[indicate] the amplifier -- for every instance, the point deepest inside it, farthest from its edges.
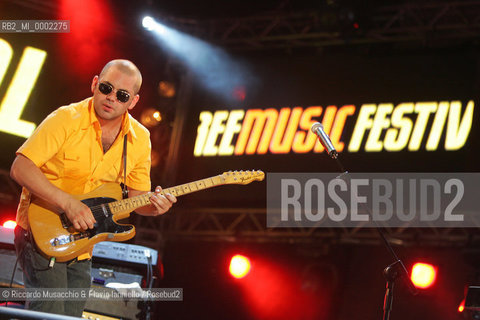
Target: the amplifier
(119, 265)
(124, 309)
(123, 254)
(111, 279)
(104, 277)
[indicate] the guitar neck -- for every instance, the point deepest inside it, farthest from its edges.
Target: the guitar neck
(130, 204)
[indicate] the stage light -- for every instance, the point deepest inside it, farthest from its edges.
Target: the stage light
(166, 89)
(215, 69)
(9, 224)
(423, 275)
(150, 117)
(461, 307)
(239, 266)
(157, 116)
(148, 23)
(89, 20)
(151, 25)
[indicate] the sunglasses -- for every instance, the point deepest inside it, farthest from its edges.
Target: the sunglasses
(122, 95)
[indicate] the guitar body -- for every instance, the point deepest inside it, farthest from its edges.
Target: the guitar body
(55, 237)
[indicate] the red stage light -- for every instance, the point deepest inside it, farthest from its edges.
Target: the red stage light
(423, 275)
(88, 45)
(9, 224)
(239, 266)
(461, 307)
(268, 288)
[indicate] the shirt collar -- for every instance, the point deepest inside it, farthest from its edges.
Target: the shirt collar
(126, 122)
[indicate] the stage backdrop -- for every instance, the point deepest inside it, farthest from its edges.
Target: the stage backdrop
(413, 111)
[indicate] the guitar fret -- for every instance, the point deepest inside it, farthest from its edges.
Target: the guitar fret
(212, 181)
(208, 183)
(147, 197)
(200, 184)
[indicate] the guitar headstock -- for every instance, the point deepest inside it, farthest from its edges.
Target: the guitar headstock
(242, 177)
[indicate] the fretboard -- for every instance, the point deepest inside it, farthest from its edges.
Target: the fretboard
(130, 204)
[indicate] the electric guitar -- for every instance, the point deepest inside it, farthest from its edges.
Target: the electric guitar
(55, 236)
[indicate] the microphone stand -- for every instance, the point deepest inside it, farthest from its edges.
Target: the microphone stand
(394, 270)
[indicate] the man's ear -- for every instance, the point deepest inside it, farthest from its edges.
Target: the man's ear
(94, 83)
(134, 101)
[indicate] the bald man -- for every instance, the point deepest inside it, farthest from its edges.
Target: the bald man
(76, 149)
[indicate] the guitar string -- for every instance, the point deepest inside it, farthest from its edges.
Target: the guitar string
(98, 212)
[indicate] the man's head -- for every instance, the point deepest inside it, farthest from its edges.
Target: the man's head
(115, 90)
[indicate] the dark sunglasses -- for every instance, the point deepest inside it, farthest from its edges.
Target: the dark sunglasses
(122, 95)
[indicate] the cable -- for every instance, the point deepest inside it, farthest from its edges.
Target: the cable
(149, 283)
(20, 252)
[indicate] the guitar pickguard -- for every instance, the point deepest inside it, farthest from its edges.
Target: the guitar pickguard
(104, 217)
(104, 222)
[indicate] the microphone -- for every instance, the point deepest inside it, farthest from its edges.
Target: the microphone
(317, 128)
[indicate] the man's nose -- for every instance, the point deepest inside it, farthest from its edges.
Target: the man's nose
(111, 96)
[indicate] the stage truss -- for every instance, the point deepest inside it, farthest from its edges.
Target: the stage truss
(320, 24)
(434, 23)
(249, 225)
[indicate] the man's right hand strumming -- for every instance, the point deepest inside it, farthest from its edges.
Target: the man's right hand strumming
(79, 214)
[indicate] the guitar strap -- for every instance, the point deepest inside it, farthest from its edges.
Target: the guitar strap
(125, 190)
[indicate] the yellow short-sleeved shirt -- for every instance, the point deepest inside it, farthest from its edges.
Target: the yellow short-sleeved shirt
(67, 148)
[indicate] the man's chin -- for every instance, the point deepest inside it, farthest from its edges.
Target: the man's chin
(104, 115)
